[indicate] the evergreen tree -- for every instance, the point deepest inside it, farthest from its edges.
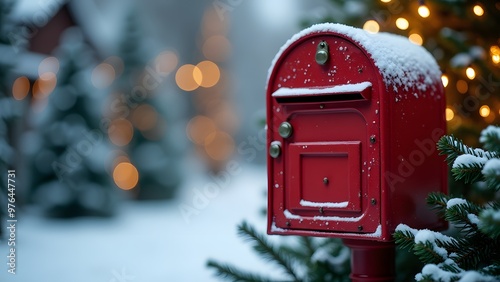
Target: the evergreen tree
(313, 259)
(461, 35)
(67, 148)
(474, 252)
(150, 148)
(10, 109)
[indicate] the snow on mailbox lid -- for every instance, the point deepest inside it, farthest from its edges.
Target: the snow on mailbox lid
(352, 121)
(402, 63)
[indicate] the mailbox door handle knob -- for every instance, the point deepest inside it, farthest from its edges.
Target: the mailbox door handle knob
(321, 53)
(285, 130)
(275, 149)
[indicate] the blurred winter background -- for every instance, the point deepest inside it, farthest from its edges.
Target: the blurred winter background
(135, 128)
(136, 132)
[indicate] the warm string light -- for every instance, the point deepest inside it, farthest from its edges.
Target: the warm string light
(470, 73)
(20, 88)
(495, 54)
(402, 23)
(371, 26)
(424, 11)
(125, 176)
(445, 80)
(416, 38)
(205, 74)
(478, 10)
(450, 114)
(484, 111)
(385, 1)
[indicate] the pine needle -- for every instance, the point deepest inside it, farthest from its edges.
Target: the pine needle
(490, 223)
(230, 273)
(453, 147)
(469, 173)
(266, 250)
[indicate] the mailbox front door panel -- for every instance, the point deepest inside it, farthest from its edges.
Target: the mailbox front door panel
(326, 178)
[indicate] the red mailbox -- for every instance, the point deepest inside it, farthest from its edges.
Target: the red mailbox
(352, 120)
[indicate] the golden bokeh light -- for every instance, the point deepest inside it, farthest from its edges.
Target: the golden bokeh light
(117, 64)
(166, 62)
(120, 132)
(219, 145)
(199, 128)
(216, 48)
(495, 58)
(495, 54)
(402, 23)
(462, 86)
(20, 88)
(484, 111)
(445, 80)
(415, 38)
(49, 64)
(188, 77)
(449, 114)
(125, 176)
(145, 117)
(44, 85)
(385, 1)
(371, 26)
(424, 11)
(103, 75)
(470, 73)
(478, 10)
(210, 73)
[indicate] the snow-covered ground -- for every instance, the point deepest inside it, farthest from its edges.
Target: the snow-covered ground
(146, 241)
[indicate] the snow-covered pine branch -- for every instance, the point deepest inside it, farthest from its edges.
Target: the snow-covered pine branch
(472, 255)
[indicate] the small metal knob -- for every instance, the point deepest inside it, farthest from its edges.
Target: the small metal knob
(275, 149)
(285, 130)
(322, 53)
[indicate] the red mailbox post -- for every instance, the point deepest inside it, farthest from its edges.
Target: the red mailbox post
(352, 122)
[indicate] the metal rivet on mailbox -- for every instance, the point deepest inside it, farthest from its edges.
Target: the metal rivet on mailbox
(285, 130)
(372, 139)
(275, 149)
(325, 181)
(322, 53)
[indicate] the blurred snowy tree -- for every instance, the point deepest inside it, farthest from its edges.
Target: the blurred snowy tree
(138, 124)
(10, 109)
(68, 151)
